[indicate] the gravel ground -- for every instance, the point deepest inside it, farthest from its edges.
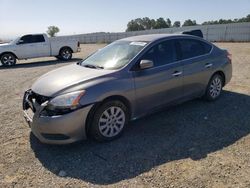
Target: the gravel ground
(195, 144)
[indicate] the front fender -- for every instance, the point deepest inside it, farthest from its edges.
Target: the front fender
(8, 51)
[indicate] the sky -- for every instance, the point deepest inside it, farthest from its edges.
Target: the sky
(86, 16)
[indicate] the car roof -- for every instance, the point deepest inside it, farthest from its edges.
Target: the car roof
(153, 37)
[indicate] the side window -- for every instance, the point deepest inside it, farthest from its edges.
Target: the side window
(26, 39)
(162, 53)
(191, 48)
(38, 38)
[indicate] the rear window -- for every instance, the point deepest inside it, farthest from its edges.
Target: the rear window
(38, 38)
(190, 48)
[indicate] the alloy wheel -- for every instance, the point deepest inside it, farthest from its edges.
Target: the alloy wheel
(111, 121)
(215, 87)
(66, 54)
(8, 60)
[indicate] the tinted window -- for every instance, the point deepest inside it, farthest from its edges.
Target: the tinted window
(26, 39)
(32, 39)
(191, 48)
(38, 38)
(162, 53)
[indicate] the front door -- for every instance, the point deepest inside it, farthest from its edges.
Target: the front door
(162, 83)
(31, 46)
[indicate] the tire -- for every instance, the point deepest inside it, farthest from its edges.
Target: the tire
(65, 54)
(58, 57)
(8, 59)
(214, 88)
(109, 121)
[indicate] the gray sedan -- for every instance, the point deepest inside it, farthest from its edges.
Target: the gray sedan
(125, 80)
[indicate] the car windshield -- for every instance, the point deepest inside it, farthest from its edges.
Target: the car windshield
(114, 56)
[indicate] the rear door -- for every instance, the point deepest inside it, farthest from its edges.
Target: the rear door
(162, 83)
(197, 65)
(42, 46)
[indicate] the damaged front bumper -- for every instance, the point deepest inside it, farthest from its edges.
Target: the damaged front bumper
(59, 129)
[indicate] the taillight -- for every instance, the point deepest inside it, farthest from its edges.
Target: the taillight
(229, 56)
(78, 44)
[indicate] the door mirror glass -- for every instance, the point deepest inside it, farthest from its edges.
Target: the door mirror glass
(145, 64)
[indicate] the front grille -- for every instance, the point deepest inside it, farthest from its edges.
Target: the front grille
(31, 97)
(40, 99)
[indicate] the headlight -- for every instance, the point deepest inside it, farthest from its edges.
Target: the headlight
(66, 101)
(62, 104)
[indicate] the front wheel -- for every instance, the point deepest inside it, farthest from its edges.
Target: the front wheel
(214, 88)
(58, 57)
(65, 54)
(109, 121)
(8, 59)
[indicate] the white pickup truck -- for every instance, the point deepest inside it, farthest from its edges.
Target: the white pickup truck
(37, 45)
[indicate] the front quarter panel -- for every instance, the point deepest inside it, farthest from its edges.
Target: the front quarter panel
(9, 48)
(117, 84)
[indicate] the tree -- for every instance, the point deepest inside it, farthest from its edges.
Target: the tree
(135, 25)
(153, 23)
(146, 22)
(161, 23)
(169, 23)
(189, 23)
(177, 24)
(222, 21)
(52, 30)
(248, 18)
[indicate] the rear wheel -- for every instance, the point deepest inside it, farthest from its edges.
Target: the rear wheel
(8, 59)
(214, 88)
(65, 54)
(109, 121)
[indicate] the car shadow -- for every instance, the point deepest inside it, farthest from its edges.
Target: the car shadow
(40, 63)
(190, 130)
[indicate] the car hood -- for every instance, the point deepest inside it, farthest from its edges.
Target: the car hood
(61, 79)
(5, 45)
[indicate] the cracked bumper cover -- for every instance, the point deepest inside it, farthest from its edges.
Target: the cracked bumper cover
(60, 129)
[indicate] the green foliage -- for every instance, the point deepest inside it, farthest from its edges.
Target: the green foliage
(146, 23)
(177, 24)
(169, 23)
(52, 30)
(189, 23)
(161, 23)
(222, 21)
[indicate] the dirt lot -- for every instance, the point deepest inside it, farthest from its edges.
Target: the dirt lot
(196, 144)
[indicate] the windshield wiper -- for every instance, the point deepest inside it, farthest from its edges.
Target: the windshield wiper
(93, 66)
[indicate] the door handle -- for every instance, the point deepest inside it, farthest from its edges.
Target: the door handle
(177, 73)
(208, 65)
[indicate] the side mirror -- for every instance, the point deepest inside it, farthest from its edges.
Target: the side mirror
(20, 42)
(145, 64)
